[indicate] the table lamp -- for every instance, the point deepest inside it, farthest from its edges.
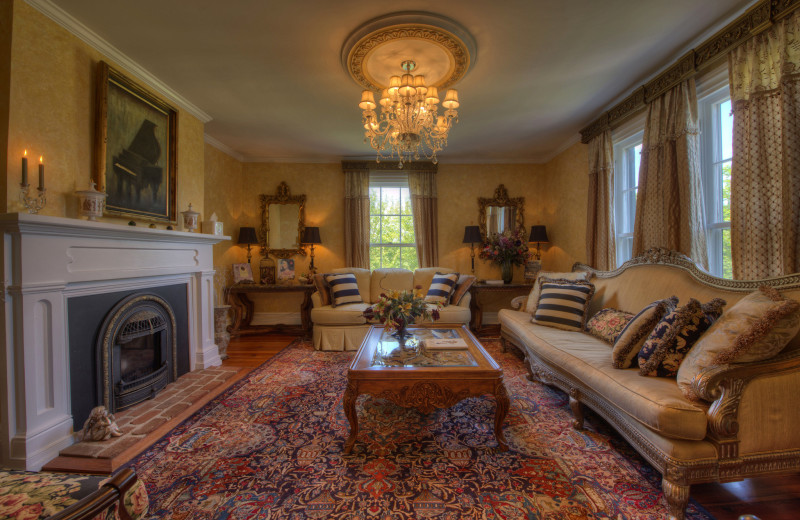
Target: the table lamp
(311, 237)
(538, 235)
(472, 236)
(247, 236)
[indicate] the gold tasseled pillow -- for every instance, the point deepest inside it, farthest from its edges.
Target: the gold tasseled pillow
(758, 327)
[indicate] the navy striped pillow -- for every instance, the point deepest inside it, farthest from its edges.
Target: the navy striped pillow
(441, 288)
(344, 288)
(563, 303)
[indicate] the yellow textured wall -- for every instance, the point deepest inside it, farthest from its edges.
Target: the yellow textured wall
(564, 204)
(223, 196)
(6, 19)
(52, 113)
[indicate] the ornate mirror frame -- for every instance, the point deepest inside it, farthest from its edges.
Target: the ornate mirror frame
(501, 199)
(282, 196)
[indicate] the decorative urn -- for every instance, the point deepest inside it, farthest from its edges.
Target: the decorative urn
(190, 218)
(91, 202)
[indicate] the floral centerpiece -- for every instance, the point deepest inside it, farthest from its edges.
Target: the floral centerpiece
(508, 248)
(397, 310)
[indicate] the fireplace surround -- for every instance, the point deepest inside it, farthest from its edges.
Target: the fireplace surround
(49, 262)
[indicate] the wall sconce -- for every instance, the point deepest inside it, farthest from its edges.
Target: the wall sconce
(311, 237)
(472, 236)
(538, 235)
(247, 236)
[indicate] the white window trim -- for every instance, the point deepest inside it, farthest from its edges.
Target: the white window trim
(633, 139)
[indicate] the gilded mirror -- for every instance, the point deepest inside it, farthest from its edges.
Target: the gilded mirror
(282, 223)
(501, 213)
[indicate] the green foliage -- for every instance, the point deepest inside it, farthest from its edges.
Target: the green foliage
(727, 260)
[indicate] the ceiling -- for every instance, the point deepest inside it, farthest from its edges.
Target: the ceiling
(270, 76)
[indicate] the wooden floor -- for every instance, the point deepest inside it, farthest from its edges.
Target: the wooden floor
(769, 498)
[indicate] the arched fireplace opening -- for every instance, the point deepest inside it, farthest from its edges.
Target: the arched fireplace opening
(136, 351)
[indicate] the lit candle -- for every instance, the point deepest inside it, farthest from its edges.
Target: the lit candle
(25, 168)
(41, 172)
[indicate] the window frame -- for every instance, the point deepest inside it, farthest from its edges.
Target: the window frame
(710, 159)
(624, 162)
(382, 180)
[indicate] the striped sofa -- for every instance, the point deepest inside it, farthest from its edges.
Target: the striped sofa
(344, 327)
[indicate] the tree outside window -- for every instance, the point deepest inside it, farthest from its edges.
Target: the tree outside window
(391, 228)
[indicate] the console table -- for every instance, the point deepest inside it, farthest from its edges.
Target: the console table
(476, 305)
(242, 307)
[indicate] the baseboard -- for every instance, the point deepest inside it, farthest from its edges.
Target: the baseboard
(490, 318)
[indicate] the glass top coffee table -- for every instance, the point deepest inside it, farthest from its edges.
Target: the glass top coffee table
(435, 379)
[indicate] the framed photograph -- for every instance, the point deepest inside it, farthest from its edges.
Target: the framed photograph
(285, 269)
(242, 273)
(135, 149)
(532, 269)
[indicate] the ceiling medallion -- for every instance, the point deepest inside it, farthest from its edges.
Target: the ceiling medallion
(406, 58)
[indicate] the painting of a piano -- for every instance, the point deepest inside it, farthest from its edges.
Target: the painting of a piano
(136, 156)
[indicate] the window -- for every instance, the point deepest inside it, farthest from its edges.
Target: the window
(716, 142)
(391, 225)
(627, 158)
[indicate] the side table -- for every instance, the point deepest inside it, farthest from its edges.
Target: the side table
(512, 290)
(243, 308)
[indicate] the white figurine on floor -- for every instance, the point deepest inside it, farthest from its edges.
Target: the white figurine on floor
(100, 426)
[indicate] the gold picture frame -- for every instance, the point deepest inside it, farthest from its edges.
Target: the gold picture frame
(135, 159)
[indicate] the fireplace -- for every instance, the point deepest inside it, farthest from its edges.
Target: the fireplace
(137, 353)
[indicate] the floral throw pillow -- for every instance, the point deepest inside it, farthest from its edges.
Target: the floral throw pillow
(634, 334)
(608, 324)
(675, 335)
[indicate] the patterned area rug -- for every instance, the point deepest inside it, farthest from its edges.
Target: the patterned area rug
(271, 447)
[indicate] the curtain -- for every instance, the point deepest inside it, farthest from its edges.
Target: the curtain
(356, 218)
(669, 203)
(765, 171)
(600, 244)
(422, 185)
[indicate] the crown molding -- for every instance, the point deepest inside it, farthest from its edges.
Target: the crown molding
(224, 148)
(74, 26)
(566, 145)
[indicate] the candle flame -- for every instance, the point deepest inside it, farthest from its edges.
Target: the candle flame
(41, 159)
(25, 153)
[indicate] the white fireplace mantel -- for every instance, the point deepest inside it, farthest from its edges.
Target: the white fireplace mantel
(46, 261)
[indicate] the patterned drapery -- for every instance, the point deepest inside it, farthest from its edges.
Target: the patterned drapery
(600, 242)
(422, 185)
(765, 172)
(356, 218)
(669, 203)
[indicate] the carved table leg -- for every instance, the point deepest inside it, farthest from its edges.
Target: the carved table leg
(677, 499)
(577, 409)
(502, 404)
(503, 346)
(349, 401)
(238, 312)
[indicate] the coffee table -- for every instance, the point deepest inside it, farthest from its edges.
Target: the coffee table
(437, 379)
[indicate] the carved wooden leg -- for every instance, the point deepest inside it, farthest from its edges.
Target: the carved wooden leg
(503, 346)
(677, 499)
(577, 408)
(349, 402)
(527, 363)
(502, 404)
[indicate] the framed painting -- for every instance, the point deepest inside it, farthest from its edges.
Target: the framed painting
(135, 149)
(285, 269)
(242, 273)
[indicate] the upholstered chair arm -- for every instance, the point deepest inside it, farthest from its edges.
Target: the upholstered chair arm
(465, 301)
(316, 299)
(752, 404)
(518, 302)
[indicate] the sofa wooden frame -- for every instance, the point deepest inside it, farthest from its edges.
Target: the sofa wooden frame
(723, 386)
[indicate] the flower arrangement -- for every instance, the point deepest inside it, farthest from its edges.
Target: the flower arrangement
(506, 247)
(397, 310)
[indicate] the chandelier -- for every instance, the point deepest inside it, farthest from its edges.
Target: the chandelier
(409, 121)
(409, 125)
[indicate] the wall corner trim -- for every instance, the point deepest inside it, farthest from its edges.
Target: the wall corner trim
(74, 26)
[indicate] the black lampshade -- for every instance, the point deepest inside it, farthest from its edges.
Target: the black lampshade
(247, 235)
(538, 234)
(472, 235)
(311, 235)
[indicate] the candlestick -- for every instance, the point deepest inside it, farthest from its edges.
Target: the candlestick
(24, 168)
(41, 173)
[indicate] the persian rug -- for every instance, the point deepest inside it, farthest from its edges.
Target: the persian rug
(272, 447)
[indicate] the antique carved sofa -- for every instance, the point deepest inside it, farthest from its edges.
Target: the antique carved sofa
(62, 496)
(748, 420)
(343, 327)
